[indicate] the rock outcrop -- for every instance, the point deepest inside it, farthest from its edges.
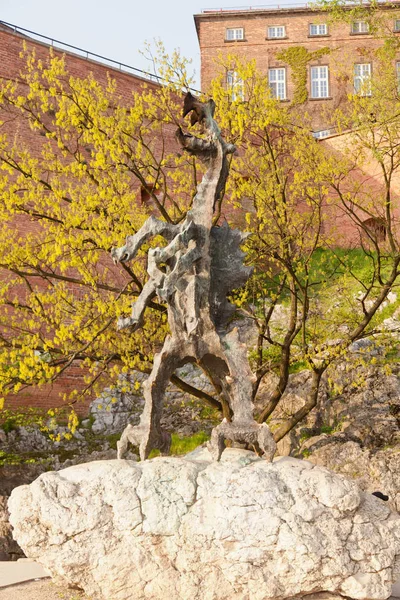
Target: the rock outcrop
(11, 477)
(373, 470)
(362, 402)
(190, 528)
(9, 549)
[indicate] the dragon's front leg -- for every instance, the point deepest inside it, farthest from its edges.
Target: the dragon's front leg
(135, 321)
(150, 289)
(151, 228)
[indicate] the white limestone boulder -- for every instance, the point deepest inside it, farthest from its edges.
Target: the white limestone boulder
(191, 529)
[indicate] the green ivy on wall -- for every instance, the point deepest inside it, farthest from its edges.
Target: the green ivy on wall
(298, 57)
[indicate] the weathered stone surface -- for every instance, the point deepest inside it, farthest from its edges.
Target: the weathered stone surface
(361, 402)
(10, 477)
(295, 396)
(326, 596)
(190, 528)
(368, 408)
(24, 439)
(9, 549)
(373, 470)
(114, 409)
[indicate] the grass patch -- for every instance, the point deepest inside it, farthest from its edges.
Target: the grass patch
(328, 429)
(298, 366)
(210, 413)
(183, 445)
(333, 264)
(31, 458)
(112, 439)
(154, 453)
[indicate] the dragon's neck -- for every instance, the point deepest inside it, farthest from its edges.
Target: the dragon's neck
(203, 203)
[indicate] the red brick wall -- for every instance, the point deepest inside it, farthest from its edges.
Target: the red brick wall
(11, 64)
(369, 179)
(50, 396)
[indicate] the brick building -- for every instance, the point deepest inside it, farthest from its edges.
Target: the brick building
(299, 46)
(79, 64)
(337, 57)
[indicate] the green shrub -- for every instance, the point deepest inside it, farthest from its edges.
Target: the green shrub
(183, 445)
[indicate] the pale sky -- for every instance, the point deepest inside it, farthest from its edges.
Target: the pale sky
(117, 29)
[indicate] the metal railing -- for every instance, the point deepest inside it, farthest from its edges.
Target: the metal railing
(81, 52)
(287, 6)
(260, 7)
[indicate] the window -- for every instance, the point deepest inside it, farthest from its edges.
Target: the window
(236, 33)
(374, 228)
(277, 83)
(398, 75)
(278, 31)
(362, 79)
(360, 27)
(319, 82)
(396, 25)
(315, 29)
(322, 133)
(235, 85)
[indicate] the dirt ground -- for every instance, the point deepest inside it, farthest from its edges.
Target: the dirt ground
(43, 589)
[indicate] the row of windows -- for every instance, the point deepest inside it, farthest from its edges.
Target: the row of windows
(314, 29)
(319, 79)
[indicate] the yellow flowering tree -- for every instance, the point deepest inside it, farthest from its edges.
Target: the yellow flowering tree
(74, 162)
(315, 291)
(66, 201)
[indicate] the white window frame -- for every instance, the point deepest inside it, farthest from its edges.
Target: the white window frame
(321, 134)
(396, 25)
(359, 27)
(319, 81)
(362, 79)
(235, 85)
(316, 29)
(276, 32)
(234, 33)
(277, 82)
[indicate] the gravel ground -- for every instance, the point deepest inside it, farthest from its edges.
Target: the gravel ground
(43, 589)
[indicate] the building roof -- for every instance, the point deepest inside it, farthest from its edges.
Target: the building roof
(285, 8)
